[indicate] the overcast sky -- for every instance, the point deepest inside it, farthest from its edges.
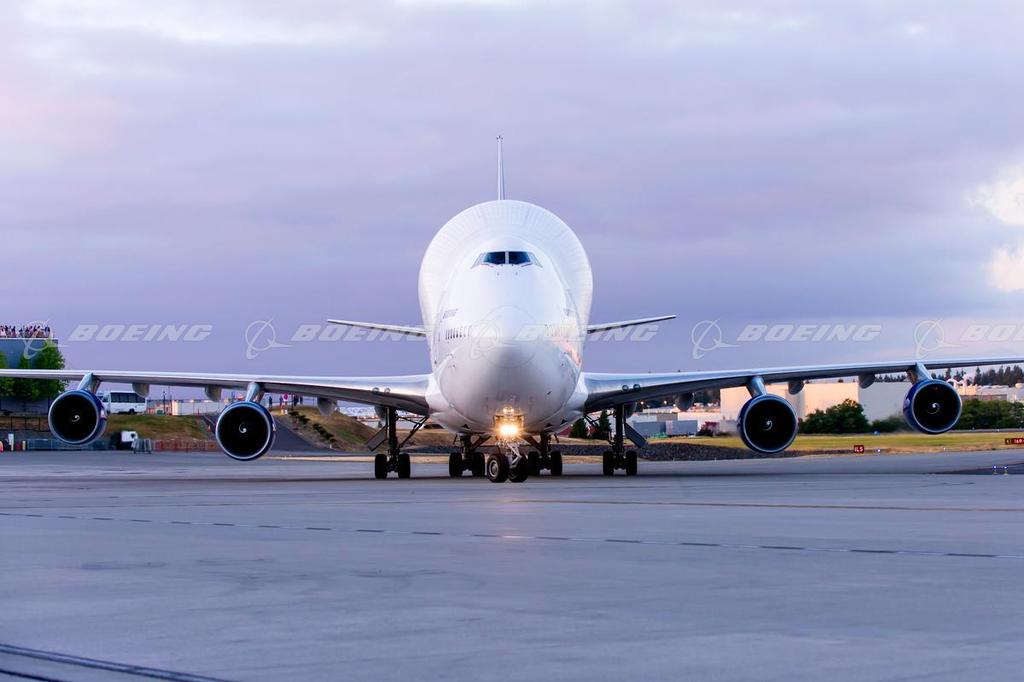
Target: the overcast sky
(751, 163)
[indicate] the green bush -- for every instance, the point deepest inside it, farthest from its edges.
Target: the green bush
(890, 424)
(846, 417)
(991, 414)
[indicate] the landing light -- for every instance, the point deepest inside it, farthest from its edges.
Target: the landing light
(508, 430)
(508, 425)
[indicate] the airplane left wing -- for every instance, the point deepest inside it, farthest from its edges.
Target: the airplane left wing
(609, 390)
(401, 392)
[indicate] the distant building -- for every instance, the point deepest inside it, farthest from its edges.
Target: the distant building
(1013, 394)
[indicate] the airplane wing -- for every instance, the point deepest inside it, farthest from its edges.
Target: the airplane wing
(402, 392)
(609, 390)
(393, 328)
(604, 326)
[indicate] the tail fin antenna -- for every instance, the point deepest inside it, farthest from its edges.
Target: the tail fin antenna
(501, 173)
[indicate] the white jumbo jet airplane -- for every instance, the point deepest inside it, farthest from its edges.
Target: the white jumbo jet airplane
(505, 289)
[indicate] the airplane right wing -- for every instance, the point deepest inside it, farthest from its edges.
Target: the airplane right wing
(392, 328)
(605, 326)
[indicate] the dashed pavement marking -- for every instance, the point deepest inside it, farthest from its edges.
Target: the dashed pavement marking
(544, 538)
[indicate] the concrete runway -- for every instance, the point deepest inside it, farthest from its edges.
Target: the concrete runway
(796, 569)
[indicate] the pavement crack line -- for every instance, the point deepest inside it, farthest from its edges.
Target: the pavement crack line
(547, 538)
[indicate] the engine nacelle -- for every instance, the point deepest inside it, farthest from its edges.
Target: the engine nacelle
(932, 406)
(767, 424)
(245, 430)
(77, 417)
(684, 402)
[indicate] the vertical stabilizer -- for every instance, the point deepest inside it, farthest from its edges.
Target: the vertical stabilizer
(501, 173)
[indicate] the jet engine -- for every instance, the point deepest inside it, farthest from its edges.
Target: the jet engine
(932, 406)
(767, 424)
(77, 417)
(683, 402)
(245, 430)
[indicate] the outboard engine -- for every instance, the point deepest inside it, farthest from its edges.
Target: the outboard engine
(767, 424)
(245, 430)
(77, 417)
(932, 406)
(683, 402)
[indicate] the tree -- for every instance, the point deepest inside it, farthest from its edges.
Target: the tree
(846, 417)
(604, 426)
(25, 389)
(6, 384)
(991, 414)
(579, 429)
(49, 357)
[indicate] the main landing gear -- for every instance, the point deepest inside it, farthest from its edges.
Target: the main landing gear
(618, 457)
(395, 460)
(469, 458)
(543, 458)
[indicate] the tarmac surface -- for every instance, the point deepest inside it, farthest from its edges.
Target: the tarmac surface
(115, 566)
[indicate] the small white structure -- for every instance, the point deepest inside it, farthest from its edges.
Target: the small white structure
(192, 408)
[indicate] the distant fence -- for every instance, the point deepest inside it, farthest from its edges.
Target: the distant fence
(54, 444)
(184, 445)
(24, 423)
(141, 445)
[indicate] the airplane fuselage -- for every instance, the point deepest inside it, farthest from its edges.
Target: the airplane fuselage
(505, 291)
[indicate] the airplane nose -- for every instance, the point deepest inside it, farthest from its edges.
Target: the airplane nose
(506, 338)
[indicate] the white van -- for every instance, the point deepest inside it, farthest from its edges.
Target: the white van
(123, 402)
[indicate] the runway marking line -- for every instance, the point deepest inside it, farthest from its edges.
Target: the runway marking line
(93, 664)
(549, 538)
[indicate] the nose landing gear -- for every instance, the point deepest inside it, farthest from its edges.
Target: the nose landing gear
(498, 467)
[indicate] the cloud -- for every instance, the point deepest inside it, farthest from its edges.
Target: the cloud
(1006, 271)
(716, 161)
(1004, 197)
(224, 23)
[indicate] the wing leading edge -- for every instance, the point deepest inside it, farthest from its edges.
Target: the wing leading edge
(609, 390)
(402, 392)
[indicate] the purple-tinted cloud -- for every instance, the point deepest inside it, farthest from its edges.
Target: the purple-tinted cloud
(174, 163)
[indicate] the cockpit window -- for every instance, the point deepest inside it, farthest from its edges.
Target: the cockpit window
(506, 258)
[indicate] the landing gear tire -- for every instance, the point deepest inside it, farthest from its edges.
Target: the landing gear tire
(455, 465)
(520, 470)
(497, 468)
(380, 466)
(608, 463)
(477, 464)
(404, 466)
(534, 460)
(556, 463)
(631, 462)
